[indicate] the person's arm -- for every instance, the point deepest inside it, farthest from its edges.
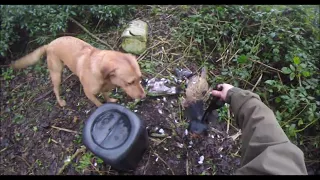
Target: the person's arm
(266, 150)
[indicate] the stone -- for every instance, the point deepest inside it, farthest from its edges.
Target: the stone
(133, 46)
(134, 38)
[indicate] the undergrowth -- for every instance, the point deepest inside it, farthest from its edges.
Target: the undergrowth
(43, 23)
(269, 49)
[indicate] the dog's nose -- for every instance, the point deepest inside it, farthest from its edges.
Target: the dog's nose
(142, 96)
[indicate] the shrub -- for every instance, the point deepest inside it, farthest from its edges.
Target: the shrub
(249, 40)
(44, 20)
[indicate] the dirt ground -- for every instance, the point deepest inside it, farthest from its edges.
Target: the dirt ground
(32, 140)
(32, 146)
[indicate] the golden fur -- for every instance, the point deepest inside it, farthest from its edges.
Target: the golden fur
(99, 71)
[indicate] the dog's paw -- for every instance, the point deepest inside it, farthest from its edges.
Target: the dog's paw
(112, 100)
(62, 103)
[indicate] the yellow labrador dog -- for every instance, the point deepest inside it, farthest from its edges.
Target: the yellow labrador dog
(99, 71)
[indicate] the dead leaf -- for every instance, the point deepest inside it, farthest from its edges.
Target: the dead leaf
(75, 119)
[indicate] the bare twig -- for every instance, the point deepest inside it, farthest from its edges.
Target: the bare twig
(217, 131)
(187, 164)
(80, 150)
(234, 127)
(158, 142)
(162, 41)
(229, 118)
(145, 52)
(294, 116)
(280, 78)
(51, 90)
(43, 96)
(164, 163)
(98, 24)
(265, 65)
(145, 167)
(54, 141)
(24, 161)
(97, 170)
(258, 81)
(2, 150)
(173, 62)
(235, 136)
(66, 130)
(8, 65)
(17, 87)
(213, 49)
(244, 81)
(254, 25)
(225, 52)
(156, 135)
(92, 35)
(299, 130)
(299, 81)
(281, 81)
(233, 55)
(187, 50)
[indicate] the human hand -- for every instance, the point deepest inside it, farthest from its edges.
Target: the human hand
(222, 94)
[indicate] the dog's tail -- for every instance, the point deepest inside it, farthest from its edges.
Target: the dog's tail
(29, 59)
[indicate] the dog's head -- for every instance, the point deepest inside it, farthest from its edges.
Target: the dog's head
(123, 70)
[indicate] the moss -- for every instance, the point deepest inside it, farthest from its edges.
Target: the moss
(134, 46)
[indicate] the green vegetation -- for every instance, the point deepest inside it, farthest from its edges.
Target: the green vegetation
(45, 22)
(274, 48)
(88, 162)
(271, 50)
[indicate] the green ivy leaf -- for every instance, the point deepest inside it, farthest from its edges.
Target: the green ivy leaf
(296, 60)
(224, 73)
(99, 161)
(292, 67)
(270, 82)
(278, 100)
(292, 130)
(286, 70)
(300, 122)
(273, 34)
(292, 75)
(303, 65)
(278, 116)
(306, 73)
(242, 59)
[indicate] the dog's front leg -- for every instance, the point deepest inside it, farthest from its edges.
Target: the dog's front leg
(107, 98)
(92, 97)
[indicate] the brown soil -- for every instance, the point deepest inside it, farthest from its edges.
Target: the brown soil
(30, 143)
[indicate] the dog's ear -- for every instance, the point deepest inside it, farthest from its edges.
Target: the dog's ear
(107, 72)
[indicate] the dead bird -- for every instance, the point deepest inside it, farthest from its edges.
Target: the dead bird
(197, 89)
(197, 92)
